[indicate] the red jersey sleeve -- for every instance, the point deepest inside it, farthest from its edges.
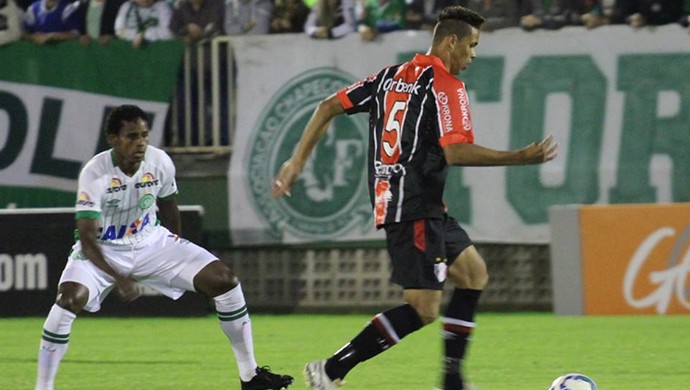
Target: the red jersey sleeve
(358, 96)
(344, 100)
(453, 107)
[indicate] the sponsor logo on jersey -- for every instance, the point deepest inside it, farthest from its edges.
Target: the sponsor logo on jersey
(114, 232)
(330, 196)
(148, 180)
(446, 115)
(387, 170)
(84, 201)
(115, 186)
(401, 86)
(112, 203)
(464, 109)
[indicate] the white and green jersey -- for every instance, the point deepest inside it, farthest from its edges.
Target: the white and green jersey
(124, 205)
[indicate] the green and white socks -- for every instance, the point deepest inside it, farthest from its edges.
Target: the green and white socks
(234, 320)
(54, 341)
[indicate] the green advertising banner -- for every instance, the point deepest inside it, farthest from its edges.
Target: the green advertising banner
(53, 100)
(617, 100)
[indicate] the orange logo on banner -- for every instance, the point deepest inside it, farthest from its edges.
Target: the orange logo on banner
(636, 259)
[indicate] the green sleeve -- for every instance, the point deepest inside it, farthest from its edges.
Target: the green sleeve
(88, 215)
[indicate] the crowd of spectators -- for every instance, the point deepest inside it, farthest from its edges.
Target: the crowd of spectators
(140, 21)
(555, 14)
(10, 22)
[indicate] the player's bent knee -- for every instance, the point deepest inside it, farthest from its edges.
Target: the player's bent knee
(215, 279)
(469, 270)
(479, 282)
(476, 280)
(227, 280)
(72, 297)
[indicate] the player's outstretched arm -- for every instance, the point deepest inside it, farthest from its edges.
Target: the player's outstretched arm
(474, 155)
(317, 126)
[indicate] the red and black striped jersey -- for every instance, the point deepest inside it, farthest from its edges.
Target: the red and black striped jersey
(415, 109)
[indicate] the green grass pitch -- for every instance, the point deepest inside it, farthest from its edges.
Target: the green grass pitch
(524, 351)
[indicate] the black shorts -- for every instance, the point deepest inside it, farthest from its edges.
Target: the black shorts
(421, 251)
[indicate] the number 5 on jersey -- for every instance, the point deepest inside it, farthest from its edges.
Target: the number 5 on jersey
(392, 133)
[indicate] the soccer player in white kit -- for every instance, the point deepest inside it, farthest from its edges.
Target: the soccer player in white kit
(121, 245)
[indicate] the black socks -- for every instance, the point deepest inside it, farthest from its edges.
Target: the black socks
(382, 332)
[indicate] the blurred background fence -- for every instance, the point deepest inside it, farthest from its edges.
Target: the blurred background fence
(357, 279)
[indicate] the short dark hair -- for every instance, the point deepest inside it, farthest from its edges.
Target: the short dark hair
(458, 20)
(121, 114)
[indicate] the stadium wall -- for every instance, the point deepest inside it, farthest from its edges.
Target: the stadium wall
(356, 278)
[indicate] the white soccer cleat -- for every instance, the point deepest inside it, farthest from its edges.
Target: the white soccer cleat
(316, 378)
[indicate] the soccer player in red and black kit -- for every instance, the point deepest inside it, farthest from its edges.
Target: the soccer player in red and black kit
(420, 123)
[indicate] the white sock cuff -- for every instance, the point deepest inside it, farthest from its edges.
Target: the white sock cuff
(58, 325)
(231, 303)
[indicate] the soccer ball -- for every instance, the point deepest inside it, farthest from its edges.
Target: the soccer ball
(573, 381)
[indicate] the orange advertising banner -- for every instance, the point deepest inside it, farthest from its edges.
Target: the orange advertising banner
(636, 258)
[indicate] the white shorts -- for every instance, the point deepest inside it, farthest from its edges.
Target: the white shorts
(163, 262)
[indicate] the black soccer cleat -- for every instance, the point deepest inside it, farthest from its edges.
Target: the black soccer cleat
(266, 380)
